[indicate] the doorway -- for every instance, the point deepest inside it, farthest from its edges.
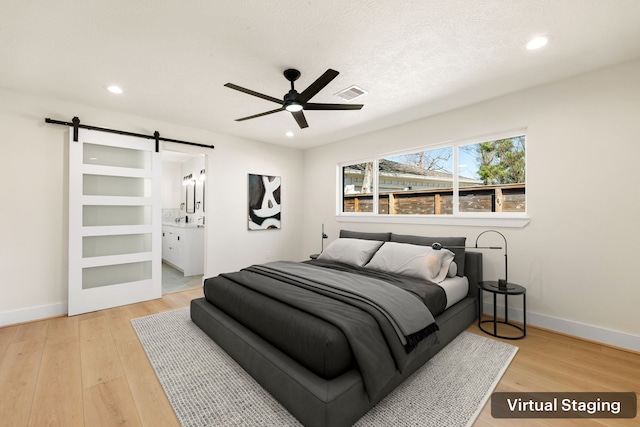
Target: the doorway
(183, 220)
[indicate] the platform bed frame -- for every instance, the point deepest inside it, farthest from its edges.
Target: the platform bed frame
(313, 400)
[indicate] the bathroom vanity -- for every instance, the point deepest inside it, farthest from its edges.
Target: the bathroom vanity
(183, 247)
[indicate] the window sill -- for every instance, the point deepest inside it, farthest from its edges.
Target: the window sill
(473, 220)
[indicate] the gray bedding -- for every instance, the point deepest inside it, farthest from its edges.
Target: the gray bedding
(377, 333)
(408, 316)
(430, 293)
(317, 345)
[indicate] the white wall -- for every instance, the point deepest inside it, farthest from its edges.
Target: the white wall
(234, 246)
(34, 198)
(577, 255)
(171, 185)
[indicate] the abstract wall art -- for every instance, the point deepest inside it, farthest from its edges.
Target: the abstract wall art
(264, 202)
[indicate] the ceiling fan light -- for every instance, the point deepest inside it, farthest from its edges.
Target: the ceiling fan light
(293, 107)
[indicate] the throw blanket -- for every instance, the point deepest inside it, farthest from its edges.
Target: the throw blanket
(431, 294)
(408, 316)
(381, 321)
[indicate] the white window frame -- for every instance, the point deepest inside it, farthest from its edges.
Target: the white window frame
(486, 219)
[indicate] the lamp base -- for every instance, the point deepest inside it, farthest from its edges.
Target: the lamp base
(502, 284)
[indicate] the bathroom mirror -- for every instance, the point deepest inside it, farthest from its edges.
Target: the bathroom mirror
(190, 197)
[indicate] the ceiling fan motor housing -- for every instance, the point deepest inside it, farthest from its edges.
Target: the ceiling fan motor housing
(291, 96)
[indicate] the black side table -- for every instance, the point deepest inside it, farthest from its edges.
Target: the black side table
(511, 289)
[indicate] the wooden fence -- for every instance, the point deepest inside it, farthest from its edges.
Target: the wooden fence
(489, 198)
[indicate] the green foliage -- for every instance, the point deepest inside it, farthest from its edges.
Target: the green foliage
(502, 161)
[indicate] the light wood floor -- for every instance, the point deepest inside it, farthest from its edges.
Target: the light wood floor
(90, 370)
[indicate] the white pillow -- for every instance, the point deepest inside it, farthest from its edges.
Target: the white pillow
(350, 251)
(422, 262)
(453, 269)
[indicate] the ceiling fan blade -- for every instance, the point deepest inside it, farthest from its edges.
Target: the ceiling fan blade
(302, 121)
(261, 114)
(318, 85)
(254, 93)
(314, 106)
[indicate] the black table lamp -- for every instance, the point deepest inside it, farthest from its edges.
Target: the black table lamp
(502, 283)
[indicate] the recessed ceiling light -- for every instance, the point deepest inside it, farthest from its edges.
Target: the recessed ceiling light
(115, 89)
(289, 134)
(537, 42)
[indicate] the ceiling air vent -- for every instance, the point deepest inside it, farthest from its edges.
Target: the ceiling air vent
(351, 93)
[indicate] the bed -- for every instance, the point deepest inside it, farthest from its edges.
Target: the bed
(331, 337)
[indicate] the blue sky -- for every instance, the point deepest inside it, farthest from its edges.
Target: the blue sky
(467, 165)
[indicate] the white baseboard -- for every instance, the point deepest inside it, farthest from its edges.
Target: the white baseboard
(32, 313)
(581, 330)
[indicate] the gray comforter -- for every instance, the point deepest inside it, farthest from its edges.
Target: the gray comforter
(385, 325)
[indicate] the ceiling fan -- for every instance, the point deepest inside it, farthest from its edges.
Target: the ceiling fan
(295, 102)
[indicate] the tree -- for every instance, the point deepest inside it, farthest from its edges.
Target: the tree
(502, 161)
(367, 180)
(433, 160)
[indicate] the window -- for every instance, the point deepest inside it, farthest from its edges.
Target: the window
(357, 194)
(417, 183)
(497, 171)
(482, 177)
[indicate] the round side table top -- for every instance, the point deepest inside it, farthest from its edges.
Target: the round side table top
(510, 289)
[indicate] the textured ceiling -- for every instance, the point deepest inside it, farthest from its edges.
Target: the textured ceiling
(415, 58)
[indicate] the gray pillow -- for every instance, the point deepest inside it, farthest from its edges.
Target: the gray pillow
(418, 261)
(356, 252)
(454, 244)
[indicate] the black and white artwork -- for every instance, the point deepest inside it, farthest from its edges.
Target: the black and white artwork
(264, 202)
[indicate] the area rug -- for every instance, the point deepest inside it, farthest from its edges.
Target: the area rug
(206, 387)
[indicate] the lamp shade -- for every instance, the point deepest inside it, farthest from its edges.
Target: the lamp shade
(502, 283)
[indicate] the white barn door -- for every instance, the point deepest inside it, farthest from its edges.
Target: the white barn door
(114, 221)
